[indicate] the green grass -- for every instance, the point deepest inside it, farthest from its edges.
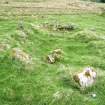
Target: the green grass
(37, 84)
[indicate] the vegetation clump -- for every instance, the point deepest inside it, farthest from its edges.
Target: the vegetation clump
(86, 36)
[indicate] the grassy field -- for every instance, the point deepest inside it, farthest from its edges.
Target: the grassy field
(41, 83)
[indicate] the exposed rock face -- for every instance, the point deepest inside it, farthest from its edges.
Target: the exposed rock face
(85, 78)
(54, 56)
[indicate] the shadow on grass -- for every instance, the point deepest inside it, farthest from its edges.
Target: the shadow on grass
(69, 83)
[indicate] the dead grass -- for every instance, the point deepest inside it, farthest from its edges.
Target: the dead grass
(47, 7)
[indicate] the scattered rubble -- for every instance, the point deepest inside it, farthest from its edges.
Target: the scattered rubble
(17, 53)
(67, 27)
(54, 56)
(55, 26)
(59, 27)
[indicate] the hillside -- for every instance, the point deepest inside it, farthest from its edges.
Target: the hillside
(30, 30)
